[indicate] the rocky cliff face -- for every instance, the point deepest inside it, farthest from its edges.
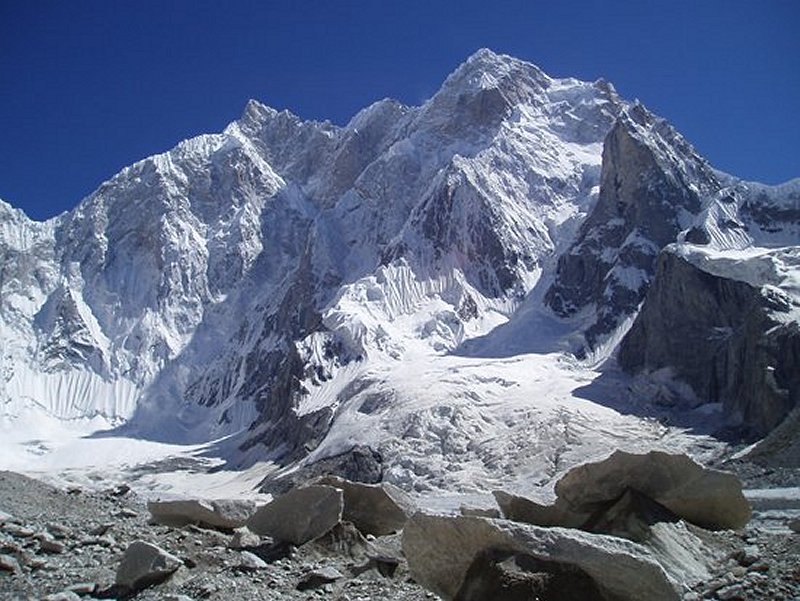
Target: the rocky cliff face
(652, 186)
(734, 341)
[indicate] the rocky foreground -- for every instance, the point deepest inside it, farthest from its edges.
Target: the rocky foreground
(631, 527)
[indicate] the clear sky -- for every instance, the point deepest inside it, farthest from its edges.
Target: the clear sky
(88, 87)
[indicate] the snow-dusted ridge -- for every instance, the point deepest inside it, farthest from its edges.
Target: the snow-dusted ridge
(303, 288)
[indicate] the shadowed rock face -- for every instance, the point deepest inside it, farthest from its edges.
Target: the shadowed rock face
(630, 516)
(441, 550)
(644, 191)
(729, 340)
(359, 464)
(501, 576)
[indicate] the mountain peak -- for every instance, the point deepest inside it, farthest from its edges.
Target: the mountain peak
(486, 62)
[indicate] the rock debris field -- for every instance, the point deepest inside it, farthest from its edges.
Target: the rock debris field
(630, 527)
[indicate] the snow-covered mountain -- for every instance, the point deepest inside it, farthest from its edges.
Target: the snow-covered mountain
(418, 282)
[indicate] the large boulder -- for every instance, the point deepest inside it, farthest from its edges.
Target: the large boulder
(442, 549)
(143, 565)
(300, 515)
(708, 498)
(521, 509)
(226, 514)
(504, 576)
(631, 516)
(373, 508)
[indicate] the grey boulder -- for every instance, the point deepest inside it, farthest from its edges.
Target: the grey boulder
(300, 515)
(376, 509)
(705, 497)
(9, 564)
(441, 550)
(249, 562)
(319, 577)
(520, 509)
(143, 565)
(226, 514)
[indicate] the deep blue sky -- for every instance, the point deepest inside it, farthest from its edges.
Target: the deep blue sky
(87, 87)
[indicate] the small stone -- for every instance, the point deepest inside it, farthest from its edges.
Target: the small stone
(760, 566)
(62, 596)
(243, 538)
(250, 562)
(5, 517)
(730, 593)
(794, 525)
(8, 564)
(748, 555)
(18, 531)
(125, 512)
(10, 547)
(98, 541)
(48, 544)
(739, 571)
(83, 588)
(101, 529)
(207, 589)
(59, 531)
(482, 512)
(34, 563)
(319, 577)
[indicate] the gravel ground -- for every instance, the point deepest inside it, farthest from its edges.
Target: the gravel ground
(96, 528)
(53, 541)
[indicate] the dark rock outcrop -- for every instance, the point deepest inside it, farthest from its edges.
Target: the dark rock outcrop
(732, 341)
(503, 576)
(650, 177)
(359, 464)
